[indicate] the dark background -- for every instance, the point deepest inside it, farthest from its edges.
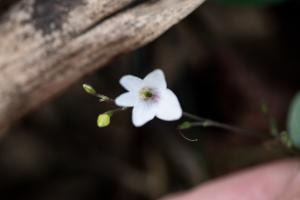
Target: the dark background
(223, 62)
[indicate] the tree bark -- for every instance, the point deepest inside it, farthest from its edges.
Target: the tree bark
(46, 45)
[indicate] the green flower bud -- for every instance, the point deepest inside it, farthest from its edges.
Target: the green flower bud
(103, 120)
(89, 89)
(185, 125)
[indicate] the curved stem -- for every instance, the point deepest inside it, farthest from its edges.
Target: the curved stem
(186, 138)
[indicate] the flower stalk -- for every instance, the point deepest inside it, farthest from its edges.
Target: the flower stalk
(90, 90)
(204, 122)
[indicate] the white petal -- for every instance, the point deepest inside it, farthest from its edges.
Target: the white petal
(127, 99)
(142, 113)
(130, 82)
(156, 79)
(169, 108)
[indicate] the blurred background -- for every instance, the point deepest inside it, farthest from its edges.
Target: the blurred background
(223, 62)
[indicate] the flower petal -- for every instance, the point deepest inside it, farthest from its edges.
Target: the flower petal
(156, 79)
(127, 99)
(169, 108)
(130, 82)
(142, 113)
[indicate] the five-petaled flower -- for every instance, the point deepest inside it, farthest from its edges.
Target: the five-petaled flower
(149, 97)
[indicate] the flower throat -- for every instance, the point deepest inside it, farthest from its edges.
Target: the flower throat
(147, 94)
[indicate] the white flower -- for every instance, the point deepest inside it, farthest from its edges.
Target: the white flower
(149, 97)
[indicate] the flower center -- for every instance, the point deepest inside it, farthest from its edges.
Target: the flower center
(147, 94)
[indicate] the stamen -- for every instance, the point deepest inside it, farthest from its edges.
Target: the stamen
(147, 94)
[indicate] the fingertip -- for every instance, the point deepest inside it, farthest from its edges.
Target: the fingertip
(266, 182)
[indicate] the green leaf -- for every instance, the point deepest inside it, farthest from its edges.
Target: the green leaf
(103, 120)
(293, 122)
(286, 140)
(250, 2)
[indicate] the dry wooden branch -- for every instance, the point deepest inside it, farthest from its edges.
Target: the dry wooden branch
(46, 45)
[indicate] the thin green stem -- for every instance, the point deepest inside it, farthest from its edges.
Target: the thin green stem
(118, 109)
(204, 122)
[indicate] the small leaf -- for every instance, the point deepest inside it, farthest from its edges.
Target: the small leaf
(103, 120)
(185, 125)
(286, 140)
(294, 121)
(89, 89)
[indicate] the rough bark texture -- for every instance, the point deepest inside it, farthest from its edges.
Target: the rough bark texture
(46, 45)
